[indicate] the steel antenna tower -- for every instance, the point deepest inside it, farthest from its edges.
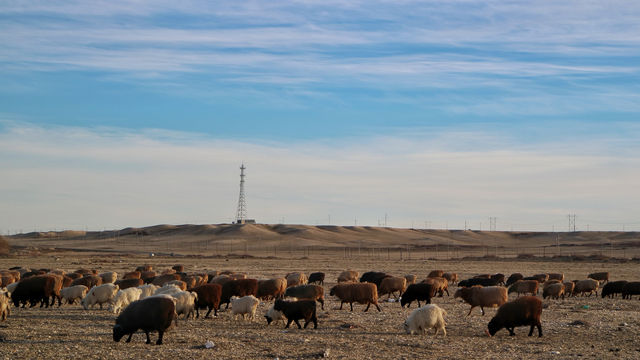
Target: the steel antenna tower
(241, 214)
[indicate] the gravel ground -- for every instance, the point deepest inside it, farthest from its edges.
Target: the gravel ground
(589, 327)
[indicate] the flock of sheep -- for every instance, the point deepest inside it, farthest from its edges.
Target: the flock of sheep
(150, 301)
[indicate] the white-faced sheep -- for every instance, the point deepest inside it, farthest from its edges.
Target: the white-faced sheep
(124, 298)
(99, 295)
(147, 290)
(430, 316)
(490, 296)
(244, 305)
(362, 293)
(73, 293)
(392, 284)
(348, 276)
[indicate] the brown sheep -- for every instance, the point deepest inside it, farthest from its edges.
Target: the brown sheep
(524, 287)
(600, 276)
(88, 281)
(179, 283)
(296, 278)
(452, 278)
(362, 293)
(586, 286)
(271, 288)
(524, 311)
(239, 288)
(132, 275)
(490, 296)
(129, 283)
(178, 268)
(148, 275)
(411, 279)
(568, 287)
(440, 284)
(307, 292)
(553, 290)
(208, 296)
(556, 276)
(220, 279)
(390, 285)
(144, 268)
(160, 280)
(436, 273)
(348, 276)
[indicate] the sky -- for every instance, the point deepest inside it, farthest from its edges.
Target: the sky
(438, 114)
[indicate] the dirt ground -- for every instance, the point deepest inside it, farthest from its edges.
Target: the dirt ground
(582, 327)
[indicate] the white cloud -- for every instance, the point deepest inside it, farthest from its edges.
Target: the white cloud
(59, 177)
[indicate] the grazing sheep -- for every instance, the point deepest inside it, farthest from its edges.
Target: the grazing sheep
(569, 286)
(556, 276)
(109, 277)
(417, 292)
(296, 310)
(362, 293)
(436, 273)
(99, 295)
(296, 278)
(129, 283)
(244, 305)
(373, 277)
(553, 290)
(600, 276)
(439, 283)
(513, 278)
(612, 288)
(150, 314)
(5, 309)
(390, 285)
(307, 292)
(524, 287)
(586, 286)
(239, 288)
(452, 278)
(147, 290)
(185, 303)
(430, 316)
(491, 296)
(411, 279)
(33, 289)
(208, 296)
(73, 293)
(274, 315)
(316, 277)
(478, 281)
(271, 288)
(348, 276)
(520, 312)
(124, 298)
(630, 289)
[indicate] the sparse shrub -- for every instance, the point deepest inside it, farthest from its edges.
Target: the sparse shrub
(526, 256)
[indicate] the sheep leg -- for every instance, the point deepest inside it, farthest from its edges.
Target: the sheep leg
(208, 312)
(148, 338)
(367, 309)
(447, 290)
(482, 309)
(288, 323)
(321, 301)
(298, 323)
(470, 310)
(352, 306)
(160, 333)
(511, 333)
(377, 307)
(129, 338)
(342, 302)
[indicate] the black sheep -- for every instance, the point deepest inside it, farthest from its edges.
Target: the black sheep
(33, 289)
(478, 281)
(296, 310)
(373, 277)
(155, 313)
(631, 288)
(316, 277)
(418, 292)
(610, 289)
(513, 278)
(520, 312)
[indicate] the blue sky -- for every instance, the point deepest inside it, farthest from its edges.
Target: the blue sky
(428, 111)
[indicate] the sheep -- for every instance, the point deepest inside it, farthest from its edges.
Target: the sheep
(586, 286)
(307, 292)
(190, 281)
(144, 268)
(220, 279)
(348, 276)
(296, 310)
(5, 308)
(630, 289)
(316, 277)
(11, 287)
(271, 288)
(147, 290)
(411, 279)
(168, 289)
(524, 286)
(374, 277)
(392, 284)
(150, 314)
(73, 293)
(498, 277)
(56, 286)
(436, 273)
(418, 292)
(274, 315)
(553, 290)
(239, 276)
(129, 283)
(478, 281)
(244, 305)
(491, 296)
(160, 280)
(124, 298)
(6, 279)
(362, 293)
(132, 275)
(600, 276)
(109, 277)
(241, 287)
(295, 278)
(556, 276)
(185, 303)
(178, 268)
(519, 312)
(430, 316)
(513, 278)
(99, 295)
(179, 283)
(88, 281)
(452, 278)
(208, 296)
(612, 288)
(147, 275)
(569, 286)
(439, 283)
(33, 289)
(74, 276)
(541, 278)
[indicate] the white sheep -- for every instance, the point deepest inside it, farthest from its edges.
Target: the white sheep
(109, 277)
(99, 295)
(147, 290)
(123, 298)
(185, 303)
(273, 315)
(244, 305)
(72, 293)
(168, 289)
(430, 316)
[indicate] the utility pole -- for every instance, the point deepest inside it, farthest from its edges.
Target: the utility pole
(572, 222)
(241, 213)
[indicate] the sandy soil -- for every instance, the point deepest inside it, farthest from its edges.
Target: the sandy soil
(589, 327)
